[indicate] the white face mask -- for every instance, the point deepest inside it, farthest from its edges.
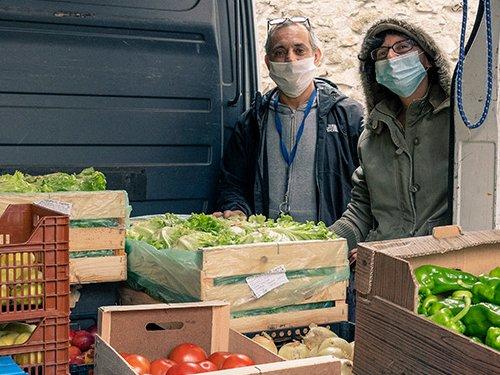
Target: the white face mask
(293, 77)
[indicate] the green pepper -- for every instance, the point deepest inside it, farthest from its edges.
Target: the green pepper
(480, 318)
(476, 339)
(426, 303)
(495, 272)
(487, 289)
(493, 337)
(436, 280)
(455, 305)
(446, 318)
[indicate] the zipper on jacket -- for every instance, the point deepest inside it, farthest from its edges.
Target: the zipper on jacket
(316, 164)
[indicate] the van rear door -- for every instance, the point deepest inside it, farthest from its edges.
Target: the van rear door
(141, 90)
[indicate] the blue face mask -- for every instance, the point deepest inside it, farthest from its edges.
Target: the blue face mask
(402, 74)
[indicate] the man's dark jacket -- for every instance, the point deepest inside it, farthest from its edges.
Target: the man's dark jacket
(244, 183)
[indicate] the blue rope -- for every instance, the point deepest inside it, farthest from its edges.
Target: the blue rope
(460, 66)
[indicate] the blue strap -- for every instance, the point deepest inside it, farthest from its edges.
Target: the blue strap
(489, 68)
(290, 157)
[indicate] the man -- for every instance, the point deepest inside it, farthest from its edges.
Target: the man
(401, 186)
(294, 151)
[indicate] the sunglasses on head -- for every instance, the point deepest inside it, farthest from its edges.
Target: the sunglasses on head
(279, 21)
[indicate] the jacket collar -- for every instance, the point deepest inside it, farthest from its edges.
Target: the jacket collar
(328, 95)
(388, 108)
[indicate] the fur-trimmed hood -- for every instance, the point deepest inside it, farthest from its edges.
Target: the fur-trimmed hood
(375, 92)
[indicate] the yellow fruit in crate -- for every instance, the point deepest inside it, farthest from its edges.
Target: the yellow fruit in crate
(22, 338)
(20, 327)
(8, 339)
(36, 358)
(22, 359)
(7, 275)
(29, 358)
(17, 259)
(28, 294)
(27, 274)
(4, 295)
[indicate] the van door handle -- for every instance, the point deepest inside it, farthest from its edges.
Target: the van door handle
(237, 28)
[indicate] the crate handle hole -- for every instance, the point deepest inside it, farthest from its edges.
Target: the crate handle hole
(168, 326)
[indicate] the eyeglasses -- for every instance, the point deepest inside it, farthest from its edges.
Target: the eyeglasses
(279, 21)
(401, 47)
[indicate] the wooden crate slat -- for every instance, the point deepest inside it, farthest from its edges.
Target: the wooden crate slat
(98, 269)
(85, 204)
(260, 258)
(290, 319)
(92, 239)
(242, 294)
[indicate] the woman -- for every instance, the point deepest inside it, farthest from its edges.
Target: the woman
(400, 188)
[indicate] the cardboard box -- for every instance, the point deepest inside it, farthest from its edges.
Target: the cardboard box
(390, 337)
(153, 330)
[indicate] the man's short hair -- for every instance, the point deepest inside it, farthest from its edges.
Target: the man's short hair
(313, 39)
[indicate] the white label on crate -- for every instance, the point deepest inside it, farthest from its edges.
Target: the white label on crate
(264, 283)
(62, 207)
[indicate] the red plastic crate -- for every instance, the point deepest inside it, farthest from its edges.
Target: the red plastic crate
(34, 263)
(46, 351)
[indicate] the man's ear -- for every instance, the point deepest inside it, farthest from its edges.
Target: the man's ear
(266, 59)
(318, 55)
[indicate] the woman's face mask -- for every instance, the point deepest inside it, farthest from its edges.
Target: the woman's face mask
(402, 75)
(293, 77)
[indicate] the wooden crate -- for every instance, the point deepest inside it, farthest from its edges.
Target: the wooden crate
(222, 271)
(263, 322)
(89, 205)
(203, 323)
(266, 322)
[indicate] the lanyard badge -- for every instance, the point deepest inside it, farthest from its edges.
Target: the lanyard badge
(289, 158)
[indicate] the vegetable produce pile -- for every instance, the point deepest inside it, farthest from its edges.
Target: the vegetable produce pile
(319, 341)
(201, 230)
(17, 333)
(187, 359)
(81, 351)
(20, 286)
(87, 180)
(462, 302)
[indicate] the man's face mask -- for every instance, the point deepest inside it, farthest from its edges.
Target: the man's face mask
(293, 77)
(402, 74)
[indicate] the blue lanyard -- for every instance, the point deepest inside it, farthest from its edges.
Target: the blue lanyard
(290, 157)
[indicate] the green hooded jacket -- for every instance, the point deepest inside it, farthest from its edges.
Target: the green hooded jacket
(400, 188)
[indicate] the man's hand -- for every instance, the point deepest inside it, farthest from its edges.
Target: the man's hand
(352, 257)
(228, 213)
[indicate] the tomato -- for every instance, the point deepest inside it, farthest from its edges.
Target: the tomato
(187, 353)
(186, 368)
(237, 360)
(218, 358)
(208, 366)
(141, 364)
(161, 366)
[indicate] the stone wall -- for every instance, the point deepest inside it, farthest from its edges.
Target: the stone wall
(341, 24)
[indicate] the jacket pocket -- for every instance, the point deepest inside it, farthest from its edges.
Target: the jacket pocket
(440, 221)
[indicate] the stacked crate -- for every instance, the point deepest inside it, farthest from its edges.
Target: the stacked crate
(34, 287)
(93, 207)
